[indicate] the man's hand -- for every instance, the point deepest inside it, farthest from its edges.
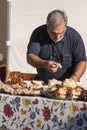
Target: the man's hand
(79, 71)
(37, 62)
(52, 66)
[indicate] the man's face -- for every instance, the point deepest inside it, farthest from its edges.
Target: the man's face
(57, 33)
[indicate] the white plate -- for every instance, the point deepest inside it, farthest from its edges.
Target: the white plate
(82, 85)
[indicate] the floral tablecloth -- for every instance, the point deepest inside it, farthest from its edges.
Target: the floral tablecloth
(38, 113)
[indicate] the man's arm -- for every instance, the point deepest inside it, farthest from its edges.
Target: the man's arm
(79, 70)
(38, 62)
(35, 61)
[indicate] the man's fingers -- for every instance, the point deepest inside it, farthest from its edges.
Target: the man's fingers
(60, 66)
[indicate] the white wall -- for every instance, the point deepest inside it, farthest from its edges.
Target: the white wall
(26, 15)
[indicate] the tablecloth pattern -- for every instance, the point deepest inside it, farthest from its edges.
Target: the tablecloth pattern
(39, 113)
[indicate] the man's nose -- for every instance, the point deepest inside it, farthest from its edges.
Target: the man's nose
(57, 36)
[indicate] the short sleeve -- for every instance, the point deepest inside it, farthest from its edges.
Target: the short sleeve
(34, 44)
(79, 51)
(33, 48)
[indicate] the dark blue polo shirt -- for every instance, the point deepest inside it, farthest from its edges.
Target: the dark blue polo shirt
(69, 51)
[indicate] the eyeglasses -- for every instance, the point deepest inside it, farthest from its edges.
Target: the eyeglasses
(56, 36)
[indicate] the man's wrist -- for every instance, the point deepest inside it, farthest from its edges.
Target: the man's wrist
(76, 76)
(44, 62)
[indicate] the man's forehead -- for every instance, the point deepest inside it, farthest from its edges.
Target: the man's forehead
(59, 26)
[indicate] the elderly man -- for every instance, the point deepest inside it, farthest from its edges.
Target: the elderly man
(57, 50)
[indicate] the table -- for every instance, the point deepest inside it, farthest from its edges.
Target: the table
(40, 113)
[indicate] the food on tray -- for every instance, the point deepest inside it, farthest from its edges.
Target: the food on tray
(76, 92)
(19, 91)
(53, 81)
(7, 89)
(69, 83)
(67, 90)
(61, 93)
(37, 84)
(53, 88)
(35, 92)
(83, 95)
(27, 92)
(17, 78)
(16, 86)
(61, 96)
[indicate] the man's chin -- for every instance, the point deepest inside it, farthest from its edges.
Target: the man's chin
(55, 41)
(58, 40)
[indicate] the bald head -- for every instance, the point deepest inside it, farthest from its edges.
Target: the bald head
(55, 18)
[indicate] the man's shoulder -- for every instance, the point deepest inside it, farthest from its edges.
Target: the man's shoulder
(40, 33)
(72, 31)
(41, 28)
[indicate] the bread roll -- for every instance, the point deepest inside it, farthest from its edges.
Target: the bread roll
(37, 84)
(53, 81)
(69, 83)
(62, 91)
(76, 91)
(35, 92)
(8, 89)
(19, 91)
(53, 88)
(61, 96)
